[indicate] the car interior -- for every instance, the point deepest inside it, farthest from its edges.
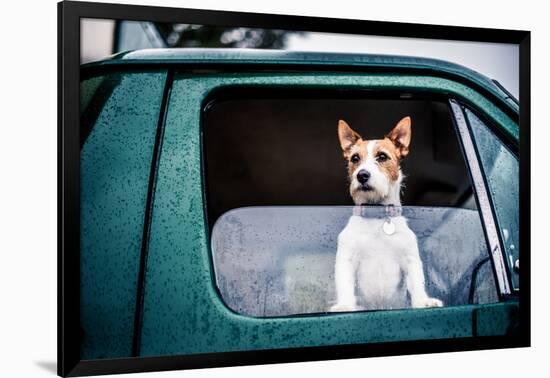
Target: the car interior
(285, 151)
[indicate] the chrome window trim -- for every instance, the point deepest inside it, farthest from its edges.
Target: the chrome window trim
(487, 216)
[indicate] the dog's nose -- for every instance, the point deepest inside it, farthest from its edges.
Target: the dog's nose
(363, 176)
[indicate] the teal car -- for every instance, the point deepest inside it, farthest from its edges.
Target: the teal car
(212, 191)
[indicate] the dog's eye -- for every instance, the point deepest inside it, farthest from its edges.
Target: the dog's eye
(382, 157)
(355, 158)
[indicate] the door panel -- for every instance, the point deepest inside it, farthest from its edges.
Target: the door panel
(183, 311)
(115, 163)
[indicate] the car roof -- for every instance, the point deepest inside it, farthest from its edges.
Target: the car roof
(324, 60)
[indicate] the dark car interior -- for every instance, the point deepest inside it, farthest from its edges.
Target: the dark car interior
(275, 147)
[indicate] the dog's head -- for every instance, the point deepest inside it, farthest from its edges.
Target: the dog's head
(374, 166)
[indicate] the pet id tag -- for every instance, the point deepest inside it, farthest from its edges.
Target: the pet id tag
(388, 227)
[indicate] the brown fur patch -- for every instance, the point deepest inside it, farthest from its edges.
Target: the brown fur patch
(390, 167)
(359, 148)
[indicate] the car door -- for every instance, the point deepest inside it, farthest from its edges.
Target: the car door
(120, 113)
(185, 309)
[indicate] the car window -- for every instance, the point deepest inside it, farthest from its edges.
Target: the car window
(115, 163)
(277, 182)
(501, 169)
(278, 261)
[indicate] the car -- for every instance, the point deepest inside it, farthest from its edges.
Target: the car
(212, 192)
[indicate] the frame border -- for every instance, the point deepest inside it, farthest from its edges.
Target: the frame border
(68, 324)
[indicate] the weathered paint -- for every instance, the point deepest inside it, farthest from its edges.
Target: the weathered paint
(115, 164)
(183, 312)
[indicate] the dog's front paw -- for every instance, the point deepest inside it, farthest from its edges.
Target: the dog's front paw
(429, 302)
(342, 307)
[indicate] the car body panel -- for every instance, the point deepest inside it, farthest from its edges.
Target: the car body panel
(115, 167)
(307, 60)
(183, 312)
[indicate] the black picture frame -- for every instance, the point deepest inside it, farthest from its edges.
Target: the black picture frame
(69, 14)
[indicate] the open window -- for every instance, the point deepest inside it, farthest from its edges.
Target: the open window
(277, 197)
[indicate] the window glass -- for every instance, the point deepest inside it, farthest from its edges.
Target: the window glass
(115, 163)
(278, 261)
(501, 169)
(279, 179)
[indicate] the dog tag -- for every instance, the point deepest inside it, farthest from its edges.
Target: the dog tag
(388, 227)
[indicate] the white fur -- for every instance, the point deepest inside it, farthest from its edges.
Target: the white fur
(377, 262)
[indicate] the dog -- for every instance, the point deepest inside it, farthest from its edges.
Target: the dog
(379, 254)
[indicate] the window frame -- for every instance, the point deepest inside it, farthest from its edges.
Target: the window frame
(484, 200)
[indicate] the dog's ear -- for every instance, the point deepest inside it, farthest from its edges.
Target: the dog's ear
(347, 136)
(401, 136)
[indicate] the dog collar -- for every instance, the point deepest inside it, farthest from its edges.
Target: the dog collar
(390, 211)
